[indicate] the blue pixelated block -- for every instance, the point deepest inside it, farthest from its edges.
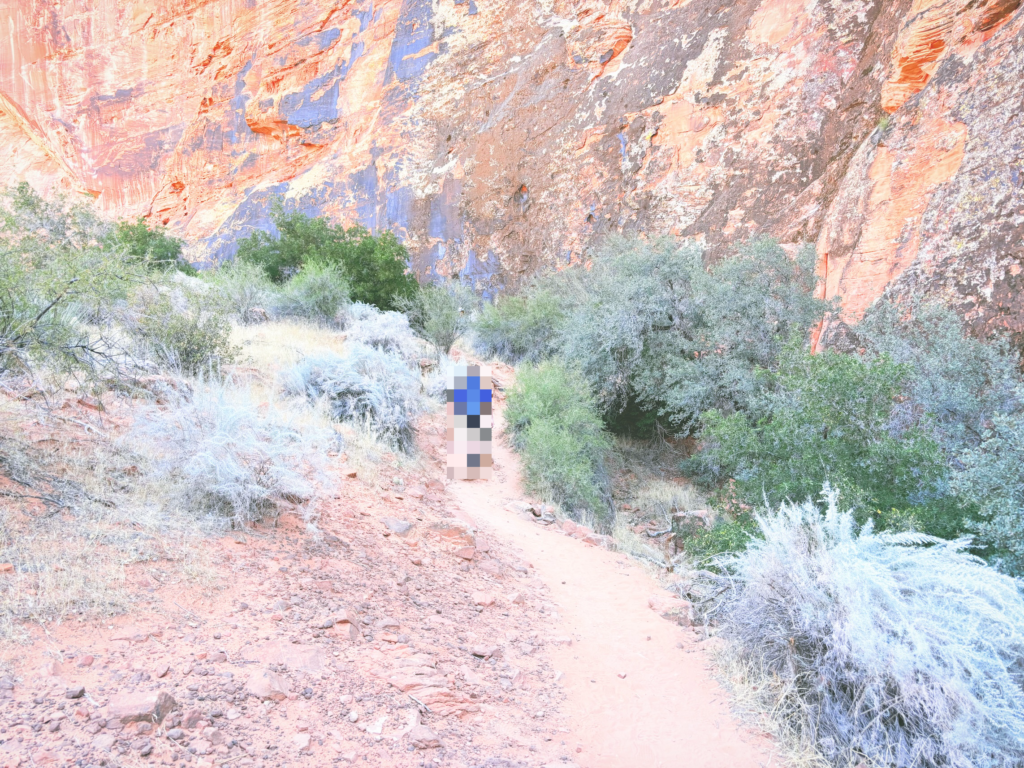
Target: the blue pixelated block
(485, 395)
(472, 409)
(460, 396)
(473, 395)
(473, 383)
(460, 408)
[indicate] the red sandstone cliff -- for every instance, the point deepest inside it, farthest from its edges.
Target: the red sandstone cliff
(496, 135)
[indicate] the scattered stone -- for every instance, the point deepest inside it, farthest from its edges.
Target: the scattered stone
(353, 716)
(84, 661)
(396, 526)
(265, 684)
(161, 671)
(302, 741)
(305, 658)
(560, 640)
(75, 693)
(483, 599)
(423, 738)
(136, 707)
(104, 742)
(672, 608)
(6, 567)
(351, 474)
(516, 598)
(44, 757)
(484, 651)
(466, 553)
(176, 734)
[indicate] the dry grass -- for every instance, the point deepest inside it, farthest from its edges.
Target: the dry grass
(755, 700)
(71, 525)
(276, 346)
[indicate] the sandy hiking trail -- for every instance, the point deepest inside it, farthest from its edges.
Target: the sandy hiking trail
(639, 692)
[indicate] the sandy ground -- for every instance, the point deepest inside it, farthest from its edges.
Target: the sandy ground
(638, 690)
(431, 626)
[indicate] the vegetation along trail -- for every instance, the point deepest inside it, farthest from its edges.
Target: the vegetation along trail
(638, 688)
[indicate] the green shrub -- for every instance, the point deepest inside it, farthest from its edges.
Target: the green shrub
(242, 288)
(57, 273)
(376, 266)
(958, 381)
(151, 246)
(991, 476)
(184, 334)
(440, 314)
(656, 333)
(520, 329)
(734, 320)
(318, 292)
(829, 418)
(554, 423)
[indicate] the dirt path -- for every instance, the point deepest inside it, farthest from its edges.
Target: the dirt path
(639, 693)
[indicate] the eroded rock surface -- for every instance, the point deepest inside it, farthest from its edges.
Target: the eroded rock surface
(499, 135)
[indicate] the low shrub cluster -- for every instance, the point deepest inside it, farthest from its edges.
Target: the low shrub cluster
(440, 314)
(375, 266)
(218, 455)
(898, 649)
(181, 329)
(367, 386)
(554, 422)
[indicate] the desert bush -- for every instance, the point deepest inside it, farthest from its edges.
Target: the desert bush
(520, 329)
(656, 334)
(831, 418)
(150, 246)
(895, 648)
(958, 381)
(221, 455)
(183, 330)
(740, 315)
(318, 292)
(386, 331)
(367, 386)
(440, 314)
(241, 289)
(57, 274)
(376, 265)
(991, 478)
(554, 423)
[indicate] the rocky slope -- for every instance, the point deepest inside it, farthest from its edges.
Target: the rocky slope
(499, 135)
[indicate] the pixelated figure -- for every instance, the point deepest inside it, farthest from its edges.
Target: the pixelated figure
(469, 422)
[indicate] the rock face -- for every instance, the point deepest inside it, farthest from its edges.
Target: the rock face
(499, 135)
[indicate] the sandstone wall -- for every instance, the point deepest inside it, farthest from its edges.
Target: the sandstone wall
(500, 135)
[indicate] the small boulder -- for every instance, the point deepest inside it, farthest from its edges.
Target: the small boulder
(423, 738)
(151, 706)
(483, 599)
(466, 553)
(265, 684)
(396, 526)
(302, 742)
(672, 608)
(75, 693)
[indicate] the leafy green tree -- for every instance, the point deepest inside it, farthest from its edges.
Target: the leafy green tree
(829, 418)
(376, 266)
(151, 246)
